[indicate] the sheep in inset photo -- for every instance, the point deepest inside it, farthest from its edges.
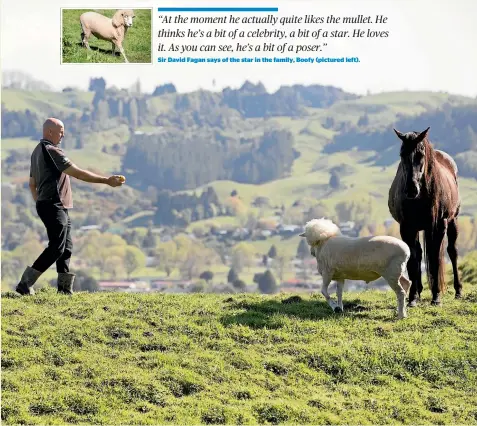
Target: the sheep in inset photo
(340, 257)
(110, 29)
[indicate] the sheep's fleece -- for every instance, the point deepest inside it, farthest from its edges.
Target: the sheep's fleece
(110, 29)
(363, 258)
(343, 258)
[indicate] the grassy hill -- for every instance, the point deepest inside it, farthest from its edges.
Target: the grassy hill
(215, 359)
(310, 172)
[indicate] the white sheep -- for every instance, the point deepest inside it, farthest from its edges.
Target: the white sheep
(366, 259)
(110, 29)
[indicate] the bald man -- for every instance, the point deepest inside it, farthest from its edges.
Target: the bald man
(50, 187)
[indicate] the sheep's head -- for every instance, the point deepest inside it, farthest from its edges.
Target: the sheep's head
(123, 17)
(320, 230)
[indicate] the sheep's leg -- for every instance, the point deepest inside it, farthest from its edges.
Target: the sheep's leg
(324, 292)
(339, 293)
(84, 38)
(394, 278)
(113, 49)
(121, 49)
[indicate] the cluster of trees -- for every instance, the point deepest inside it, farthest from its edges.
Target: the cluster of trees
(180, 209)
(453, 129)
(253, 100)
(174, 161)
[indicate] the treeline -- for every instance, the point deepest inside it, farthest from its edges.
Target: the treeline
(453, 129)
(174, 161)
(180, 209)
(111, 106)
(254, 101)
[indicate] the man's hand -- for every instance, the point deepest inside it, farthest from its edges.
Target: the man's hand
(115, 180)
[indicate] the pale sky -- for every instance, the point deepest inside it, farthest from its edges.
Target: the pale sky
(430, 47)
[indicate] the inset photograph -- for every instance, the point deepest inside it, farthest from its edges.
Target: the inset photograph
(106, 35)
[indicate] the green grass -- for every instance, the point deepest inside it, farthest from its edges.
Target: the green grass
(241, 359)
(137, 43)
(46, 102)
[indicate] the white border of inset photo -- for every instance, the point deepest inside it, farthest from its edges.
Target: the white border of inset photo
(96, 7)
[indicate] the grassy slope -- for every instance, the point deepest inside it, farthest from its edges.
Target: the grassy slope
(137, 44)
(188, 359)
(303, 181)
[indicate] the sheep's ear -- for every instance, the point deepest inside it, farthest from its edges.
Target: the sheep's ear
(117, 22)
(302, 235)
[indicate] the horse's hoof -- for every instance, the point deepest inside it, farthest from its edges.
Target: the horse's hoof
(338, 310)
(458, 296)
(436, 302)
(412, 303)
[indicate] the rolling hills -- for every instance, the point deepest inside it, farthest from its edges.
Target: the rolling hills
(319, 135)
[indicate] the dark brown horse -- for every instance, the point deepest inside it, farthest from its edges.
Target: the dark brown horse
(424, 196)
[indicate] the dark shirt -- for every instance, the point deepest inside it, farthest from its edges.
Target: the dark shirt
(52, 184)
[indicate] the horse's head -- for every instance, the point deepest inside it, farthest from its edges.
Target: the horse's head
(413, 160)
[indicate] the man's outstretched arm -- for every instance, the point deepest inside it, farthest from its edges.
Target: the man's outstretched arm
(87, 176)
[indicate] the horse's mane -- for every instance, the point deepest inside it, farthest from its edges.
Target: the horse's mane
(433, 180)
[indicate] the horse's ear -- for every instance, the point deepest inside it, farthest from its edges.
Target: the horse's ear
(399, 134)
(302, 235)
(423, 135)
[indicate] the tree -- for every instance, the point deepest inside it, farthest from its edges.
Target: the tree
(242, 256)
(166, 256)
(272, 253)
(85, 282)
(196, 258)
(207, 276)
(335, 180)
(113, 265)
(198, 287)
(133, 113)
(280, 265)
(239, 285)
(232, 275)
(302, 250)
(134, 258)
(149, 240)
(267, 283)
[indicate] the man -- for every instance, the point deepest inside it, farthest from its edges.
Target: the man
(50, 187)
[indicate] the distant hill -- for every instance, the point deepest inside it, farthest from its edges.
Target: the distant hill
(282, 145)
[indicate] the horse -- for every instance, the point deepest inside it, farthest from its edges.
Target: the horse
(424, 196)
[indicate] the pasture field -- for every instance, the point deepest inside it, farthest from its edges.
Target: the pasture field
(115, 359)
(137, 43)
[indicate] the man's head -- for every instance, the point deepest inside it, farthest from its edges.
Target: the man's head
(53, 130)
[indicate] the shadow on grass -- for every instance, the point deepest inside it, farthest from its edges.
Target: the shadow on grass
(99, 49)
(270, 313)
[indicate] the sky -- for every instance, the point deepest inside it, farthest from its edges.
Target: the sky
(430, 47)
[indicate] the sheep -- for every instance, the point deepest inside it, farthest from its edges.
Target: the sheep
(110, 29)
(366, 259)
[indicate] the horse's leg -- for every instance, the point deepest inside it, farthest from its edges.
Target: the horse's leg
(419, 271)
(339, 294)
(452, 251)
(435, 259)
(410, 236)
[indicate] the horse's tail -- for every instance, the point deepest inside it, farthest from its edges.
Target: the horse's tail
(430, 244)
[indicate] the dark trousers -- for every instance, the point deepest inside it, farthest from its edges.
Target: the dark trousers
(60, 246)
